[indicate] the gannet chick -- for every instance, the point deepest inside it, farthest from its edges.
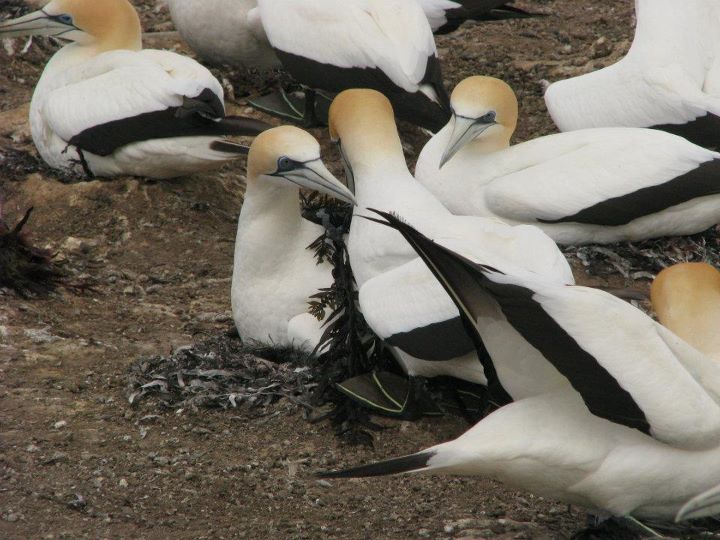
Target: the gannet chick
(382, 44)
(274, 272)
(104, 107)
(398, 296)
(669, 79)
(594, 185)
(236, 37)
(635, 431)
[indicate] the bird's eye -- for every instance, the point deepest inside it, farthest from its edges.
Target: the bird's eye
(284, 164)
(487, 118)
(65, 18)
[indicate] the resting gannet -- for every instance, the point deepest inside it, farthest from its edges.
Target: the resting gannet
(382, 44)
(669, 79)
(591, 185)
(104, 107)
(635, 429)
(274, 272)
(224, 32)
(397, 295)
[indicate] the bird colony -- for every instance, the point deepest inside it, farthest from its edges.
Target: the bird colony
(456, 266)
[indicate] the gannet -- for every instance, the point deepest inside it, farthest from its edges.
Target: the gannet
(635, 431)
(397, 295)
(382, 44)
(224, 32)
(592, 185)
(669, 79)
(274, 273)
(104, 107)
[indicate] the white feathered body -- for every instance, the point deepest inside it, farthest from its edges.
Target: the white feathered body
(559, 175)
(224, 32)
(274, 273)
(671, 75)
(79, 90)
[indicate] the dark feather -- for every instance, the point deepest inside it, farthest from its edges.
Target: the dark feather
(413, 462)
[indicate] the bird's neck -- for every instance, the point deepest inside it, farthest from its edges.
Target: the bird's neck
(487, 145)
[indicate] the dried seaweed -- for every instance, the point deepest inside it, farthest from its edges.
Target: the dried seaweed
(27, 270)
(643, 260)
(222, 372)
(349, 347)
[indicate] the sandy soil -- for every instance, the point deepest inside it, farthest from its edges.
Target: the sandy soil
(77, 461)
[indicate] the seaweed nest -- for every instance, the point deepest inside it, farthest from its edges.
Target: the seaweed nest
(643, 260)
(27, 270)
(222, 372)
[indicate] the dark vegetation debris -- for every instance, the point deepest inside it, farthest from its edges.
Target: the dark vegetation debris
(643, 260)
(28, 270)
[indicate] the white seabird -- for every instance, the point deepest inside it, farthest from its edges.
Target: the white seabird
(593, 185)
(386, 45)
(669, 79)
(397, 294)
(224, 32)
(275, 273)
(104, 107)
(635, 431)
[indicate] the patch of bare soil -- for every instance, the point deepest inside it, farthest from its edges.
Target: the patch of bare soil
(78, 461)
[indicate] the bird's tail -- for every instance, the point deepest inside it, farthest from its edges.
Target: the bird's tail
(412, 463)
(229, 147)
(241, 126)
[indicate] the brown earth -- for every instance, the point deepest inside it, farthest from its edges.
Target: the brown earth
(77, 461)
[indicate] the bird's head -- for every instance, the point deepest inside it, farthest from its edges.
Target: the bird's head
(362, 124)
(104, 24)
(484, 108)
(288, 155)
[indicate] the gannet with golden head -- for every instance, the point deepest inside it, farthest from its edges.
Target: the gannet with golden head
(669, 79)
(635, 429)
(593, 185)
(382, 44)
(397, 294)
(104, 107)
(236, 38)
(274, 272)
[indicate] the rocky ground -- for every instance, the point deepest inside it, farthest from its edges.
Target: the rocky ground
(154, 262)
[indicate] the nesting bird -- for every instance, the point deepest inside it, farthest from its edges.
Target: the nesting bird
(669, 79)
(386, 45)
(274, 272)
(104, 107)
(397, 295)
(593, 185)
(625, 417)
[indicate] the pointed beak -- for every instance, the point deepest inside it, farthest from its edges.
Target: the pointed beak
(464, 130)
(315, 176)
(37, 23)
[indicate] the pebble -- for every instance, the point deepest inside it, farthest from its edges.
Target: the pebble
(60, 424)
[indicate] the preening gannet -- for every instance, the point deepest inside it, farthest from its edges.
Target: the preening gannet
(224, 32)
(669, 79)
(274, 273)
(634, 431)
(592, 185)
(397, 295)
(104, 107)
(386, 45)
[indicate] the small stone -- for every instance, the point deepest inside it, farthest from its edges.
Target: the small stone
(32, 448)
(60, 424)
(123, 483)
(12, 517)
(601, 48)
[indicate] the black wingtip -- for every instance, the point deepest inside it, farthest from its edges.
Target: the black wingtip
(243, 126)
(413, 462)
(229, 148)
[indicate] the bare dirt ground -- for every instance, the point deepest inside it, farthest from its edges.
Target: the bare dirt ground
(77, 461)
